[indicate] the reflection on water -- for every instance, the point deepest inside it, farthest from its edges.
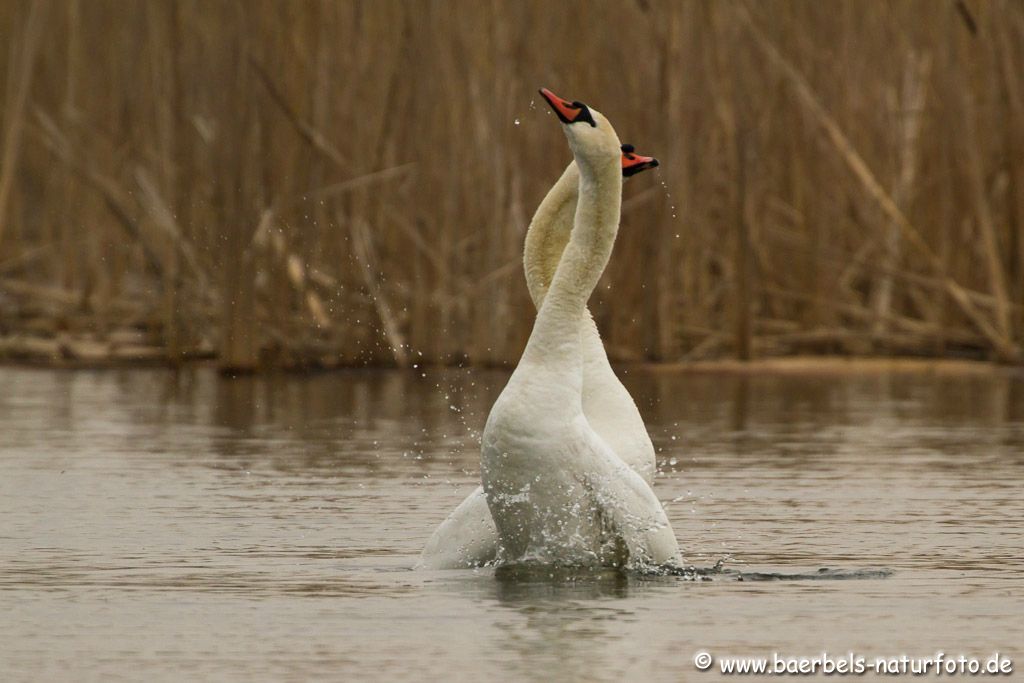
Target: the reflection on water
(158, 523)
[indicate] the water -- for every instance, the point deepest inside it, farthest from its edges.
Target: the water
(156, 526)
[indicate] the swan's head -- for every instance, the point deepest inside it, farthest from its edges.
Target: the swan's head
(591, 137)
(633, 163)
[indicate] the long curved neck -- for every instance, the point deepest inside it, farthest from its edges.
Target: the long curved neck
(556, 333)
(549, 233)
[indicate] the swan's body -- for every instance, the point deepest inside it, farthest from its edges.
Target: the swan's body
(556, 490)
(468, 536)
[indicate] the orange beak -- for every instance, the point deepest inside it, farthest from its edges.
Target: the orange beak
(633, 163)
(568, 112)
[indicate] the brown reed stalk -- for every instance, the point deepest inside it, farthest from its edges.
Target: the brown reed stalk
(909, 116)
(14, 111)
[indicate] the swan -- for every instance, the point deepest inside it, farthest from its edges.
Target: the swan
(468, 537)
(606, 402)
(556, 491)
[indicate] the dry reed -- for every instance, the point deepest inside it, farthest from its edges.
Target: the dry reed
(324, 183)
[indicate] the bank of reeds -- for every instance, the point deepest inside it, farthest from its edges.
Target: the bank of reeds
(338, 183)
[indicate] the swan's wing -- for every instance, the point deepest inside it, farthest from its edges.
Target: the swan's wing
(610, 408)
(468, 538)
(636, 515)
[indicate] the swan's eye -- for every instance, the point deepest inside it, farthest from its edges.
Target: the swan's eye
(585, 115)
(628, 148)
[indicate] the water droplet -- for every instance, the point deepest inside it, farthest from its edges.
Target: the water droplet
(517, 122)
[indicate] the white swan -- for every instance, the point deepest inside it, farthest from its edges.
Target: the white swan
(468, 537)
(606, 402)
(556, 491)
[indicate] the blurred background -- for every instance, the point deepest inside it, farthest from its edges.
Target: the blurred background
(320, 184)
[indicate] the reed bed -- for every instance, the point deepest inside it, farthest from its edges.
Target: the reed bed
(315, 184)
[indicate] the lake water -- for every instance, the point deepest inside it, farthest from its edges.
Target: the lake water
(159, 526)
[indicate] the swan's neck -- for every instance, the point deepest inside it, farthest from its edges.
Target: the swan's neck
(556, 334)
(549, 232)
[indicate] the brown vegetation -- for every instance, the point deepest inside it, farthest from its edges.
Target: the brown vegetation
(328, 183)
